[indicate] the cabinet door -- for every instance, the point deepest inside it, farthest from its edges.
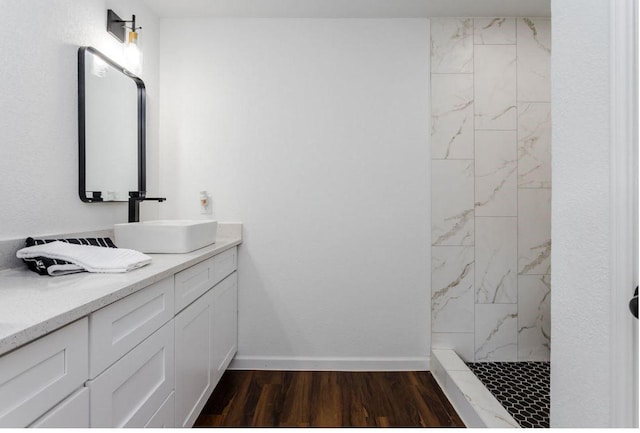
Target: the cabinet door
(165, 416)
(73, 412)
(193, 360)
(131, 391)
(36, 377)
(225, 325)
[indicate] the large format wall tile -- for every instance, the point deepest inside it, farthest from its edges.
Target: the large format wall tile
(534, 59)
(496, 260)
(452, 116)
(496, 171)
(451, 45)
(496, 334)
(491, 187)
(534, 320)
(494, 31)
(452, 294)
(452, 202)
(534, 145)
(495, 86)
(534, 231)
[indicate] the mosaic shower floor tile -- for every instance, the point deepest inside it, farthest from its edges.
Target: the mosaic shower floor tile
(521, 387)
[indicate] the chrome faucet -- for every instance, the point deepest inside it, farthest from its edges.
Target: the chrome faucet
(135, 197)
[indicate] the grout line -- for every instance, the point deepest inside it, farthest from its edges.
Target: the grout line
(517, 203)
(497, 130)
(452, 332)
(524, 275)
(525, 101)
(475, 226)
(497, 303)
(431, 270)
(497, 216)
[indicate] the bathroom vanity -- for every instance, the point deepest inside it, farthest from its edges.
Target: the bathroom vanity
(142, 349)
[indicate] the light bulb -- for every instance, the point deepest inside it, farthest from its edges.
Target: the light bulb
(132, 54)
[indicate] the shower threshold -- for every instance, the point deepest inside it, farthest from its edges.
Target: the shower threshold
(472, 400)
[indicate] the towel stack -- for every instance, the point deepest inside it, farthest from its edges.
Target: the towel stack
(60, 257)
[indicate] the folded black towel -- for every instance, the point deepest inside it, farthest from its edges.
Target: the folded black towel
(47, 266)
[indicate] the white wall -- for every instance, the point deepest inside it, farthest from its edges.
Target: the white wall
(39, 40)
(580, 304)
(314, 134)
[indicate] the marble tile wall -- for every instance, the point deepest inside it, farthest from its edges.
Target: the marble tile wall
(491, 187)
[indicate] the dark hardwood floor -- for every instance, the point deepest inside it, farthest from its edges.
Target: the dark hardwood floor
(327, 399)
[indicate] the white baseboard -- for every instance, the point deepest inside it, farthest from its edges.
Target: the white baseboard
(329, 364)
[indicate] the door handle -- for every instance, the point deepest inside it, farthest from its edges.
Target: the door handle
(633, 304)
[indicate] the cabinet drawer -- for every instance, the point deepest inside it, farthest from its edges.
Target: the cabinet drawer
(165, 416)
(117, 328)
(131, 391)
(195, 281)
(73, 412)
(225, 263)
(36, 377)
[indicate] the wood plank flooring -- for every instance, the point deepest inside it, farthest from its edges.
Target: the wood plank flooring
(327, 399)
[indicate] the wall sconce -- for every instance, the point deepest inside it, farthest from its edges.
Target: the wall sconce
(117, 27)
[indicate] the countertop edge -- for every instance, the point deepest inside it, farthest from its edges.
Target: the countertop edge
(34, 331)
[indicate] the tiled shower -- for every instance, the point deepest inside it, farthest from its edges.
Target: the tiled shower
(491, 187)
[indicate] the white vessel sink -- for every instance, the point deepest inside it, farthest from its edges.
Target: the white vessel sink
(166, 236)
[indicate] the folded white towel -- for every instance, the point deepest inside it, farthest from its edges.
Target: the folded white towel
(69, 268)
(93, 259)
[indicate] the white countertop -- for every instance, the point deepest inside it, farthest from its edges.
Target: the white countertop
(33, 305)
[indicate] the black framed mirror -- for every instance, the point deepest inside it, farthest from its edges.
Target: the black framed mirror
(111, 127)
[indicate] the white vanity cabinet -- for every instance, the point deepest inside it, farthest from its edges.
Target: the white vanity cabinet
(206, 341)
(163, 377)
(224, 299)
(200, 278)
(149, 359)
(119, 327)
(73, 412)
(131, 357)
(193, 359)
(129, 393)
(165, 416)
(38, 376)
(206, 333)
